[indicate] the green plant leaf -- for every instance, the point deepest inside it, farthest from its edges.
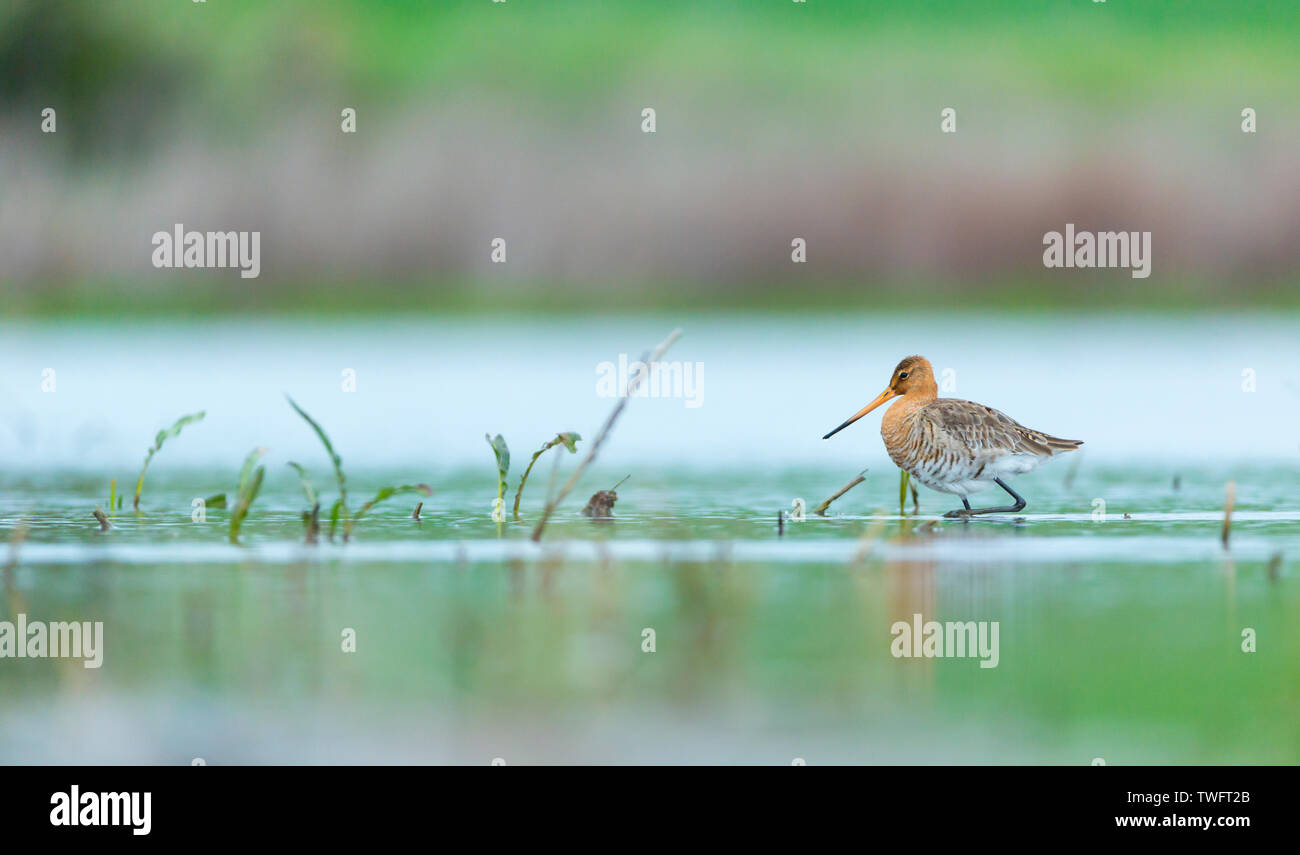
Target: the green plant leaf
(335, 511)
(569, 440)
(335, 459)
(306, 483)
(311, 523)
(502, 454)
(246, 496)
(247, 469)
(383, 494)
(163, 436)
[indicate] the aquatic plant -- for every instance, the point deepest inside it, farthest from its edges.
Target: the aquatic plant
(310, 517)
(163, 436)
(633, 384)
(820, 510)
(569, 439)
(339, 510)
(502, 454)
(311, 523)
(383, 494)
(305, 481)
(250, 484)
(1228, 505)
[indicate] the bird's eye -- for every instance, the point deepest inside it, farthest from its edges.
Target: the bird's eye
(902, 375)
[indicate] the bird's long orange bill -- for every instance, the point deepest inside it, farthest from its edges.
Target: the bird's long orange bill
(880, 399)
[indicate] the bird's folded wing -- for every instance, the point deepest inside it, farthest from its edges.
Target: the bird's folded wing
(977, 431)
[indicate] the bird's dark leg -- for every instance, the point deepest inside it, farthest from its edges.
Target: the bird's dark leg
(1010, 509)
(955, 515)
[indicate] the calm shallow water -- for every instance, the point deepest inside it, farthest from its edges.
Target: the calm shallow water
(1119, 638)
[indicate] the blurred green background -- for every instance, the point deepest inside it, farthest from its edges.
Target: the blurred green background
(522, 120)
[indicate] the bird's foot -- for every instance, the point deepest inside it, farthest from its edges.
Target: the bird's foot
(959, 514)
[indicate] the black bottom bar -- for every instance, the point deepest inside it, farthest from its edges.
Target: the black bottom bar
(330, 804)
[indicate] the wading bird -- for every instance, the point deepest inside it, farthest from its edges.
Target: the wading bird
(953, 446)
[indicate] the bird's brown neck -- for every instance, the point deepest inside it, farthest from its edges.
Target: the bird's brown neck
(906, 405)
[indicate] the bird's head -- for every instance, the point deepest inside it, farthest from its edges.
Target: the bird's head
(913, 375)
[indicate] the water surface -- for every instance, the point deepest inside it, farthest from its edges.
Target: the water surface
(1121, 612)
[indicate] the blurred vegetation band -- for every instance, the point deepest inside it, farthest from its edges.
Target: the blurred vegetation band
(246, 52)
(776, 121)
(207, 297)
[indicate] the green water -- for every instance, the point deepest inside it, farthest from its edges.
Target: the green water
(1119, 639)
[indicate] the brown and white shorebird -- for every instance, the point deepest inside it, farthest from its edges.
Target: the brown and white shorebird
(953, 446)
